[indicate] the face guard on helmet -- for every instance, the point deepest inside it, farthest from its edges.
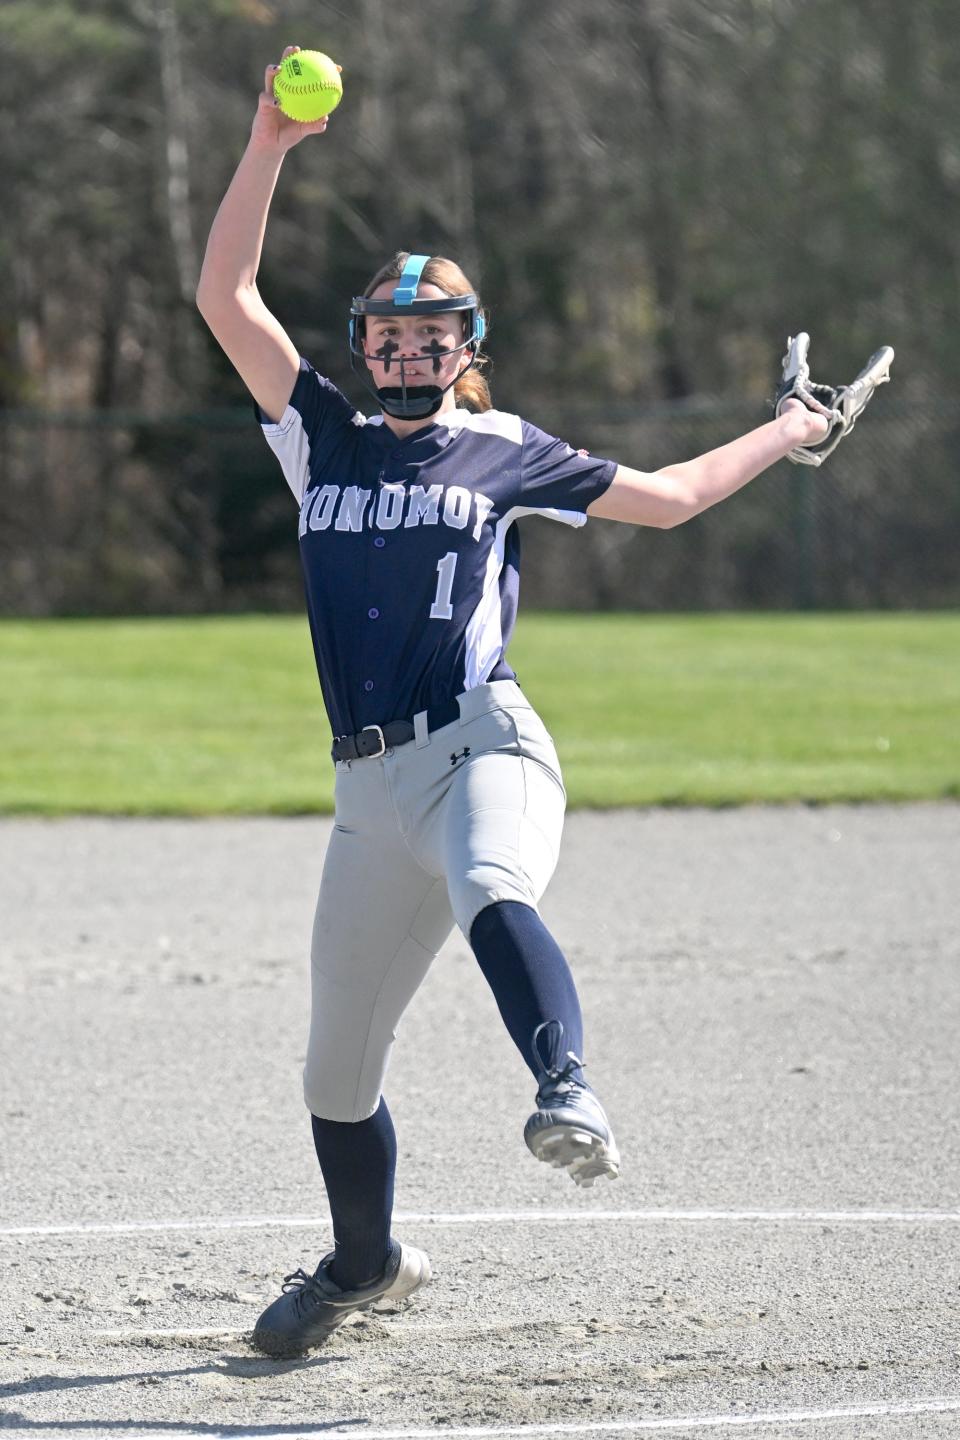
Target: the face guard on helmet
(413, 401)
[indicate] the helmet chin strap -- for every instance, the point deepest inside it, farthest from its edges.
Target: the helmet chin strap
(406, 401)
(413, 402)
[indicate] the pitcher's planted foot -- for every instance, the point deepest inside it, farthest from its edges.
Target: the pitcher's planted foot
(312, 1306)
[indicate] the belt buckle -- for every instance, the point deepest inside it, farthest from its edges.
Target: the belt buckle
(383, 744)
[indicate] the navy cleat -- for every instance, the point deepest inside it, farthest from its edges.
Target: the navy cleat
(569, 1129)
(312, 1306)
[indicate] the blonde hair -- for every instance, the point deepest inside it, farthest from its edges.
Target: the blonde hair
(471, 391)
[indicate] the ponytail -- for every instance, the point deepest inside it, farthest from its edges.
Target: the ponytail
(472, 391)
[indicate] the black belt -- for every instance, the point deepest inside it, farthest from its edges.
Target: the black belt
(373, 740)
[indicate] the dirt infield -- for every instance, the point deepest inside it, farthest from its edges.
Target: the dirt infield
(772, 1005)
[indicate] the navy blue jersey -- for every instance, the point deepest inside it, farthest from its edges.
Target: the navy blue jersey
(409, 548)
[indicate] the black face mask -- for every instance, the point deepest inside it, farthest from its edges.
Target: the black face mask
(407, 400)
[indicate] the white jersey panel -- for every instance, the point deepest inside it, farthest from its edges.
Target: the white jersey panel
(288, 441)
(487, 422)
(484, 635)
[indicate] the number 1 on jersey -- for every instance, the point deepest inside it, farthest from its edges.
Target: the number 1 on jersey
(441, 609)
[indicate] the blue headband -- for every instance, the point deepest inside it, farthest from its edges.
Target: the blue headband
(406, 291)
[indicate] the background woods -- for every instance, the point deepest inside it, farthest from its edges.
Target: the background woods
(650, 196)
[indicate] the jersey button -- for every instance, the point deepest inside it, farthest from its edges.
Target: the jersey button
(379, 542)
(368, 685)
(373, 613)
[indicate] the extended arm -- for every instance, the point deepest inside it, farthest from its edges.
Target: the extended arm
(259, 348)
(676, 493)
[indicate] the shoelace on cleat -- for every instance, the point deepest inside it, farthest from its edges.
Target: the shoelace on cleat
(561, 1082)
(309, 1286)
(299, 1280)
(304, 1287)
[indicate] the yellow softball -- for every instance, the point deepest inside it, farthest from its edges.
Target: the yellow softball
(307, 85)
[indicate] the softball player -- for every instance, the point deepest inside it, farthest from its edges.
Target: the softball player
(449, 797)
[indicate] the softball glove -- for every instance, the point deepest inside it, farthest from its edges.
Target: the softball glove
(840, 404)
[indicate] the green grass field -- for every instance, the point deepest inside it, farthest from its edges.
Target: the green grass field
(223, 715)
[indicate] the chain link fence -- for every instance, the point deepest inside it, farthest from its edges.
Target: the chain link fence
(111, 513)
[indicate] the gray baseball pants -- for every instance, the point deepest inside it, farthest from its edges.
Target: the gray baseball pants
(425, 836)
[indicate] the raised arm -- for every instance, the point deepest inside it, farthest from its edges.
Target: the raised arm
(676, 493)
(253, 339)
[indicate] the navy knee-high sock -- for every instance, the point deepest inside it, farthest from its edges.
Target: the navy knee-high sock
(531, 981)
(359, 1162)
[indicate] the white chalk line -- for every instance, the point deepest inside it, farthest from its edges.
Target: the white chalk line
(232, 1332)
(505, 1217)
(133, 1332)
(881, 1410)
(225, 1332)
